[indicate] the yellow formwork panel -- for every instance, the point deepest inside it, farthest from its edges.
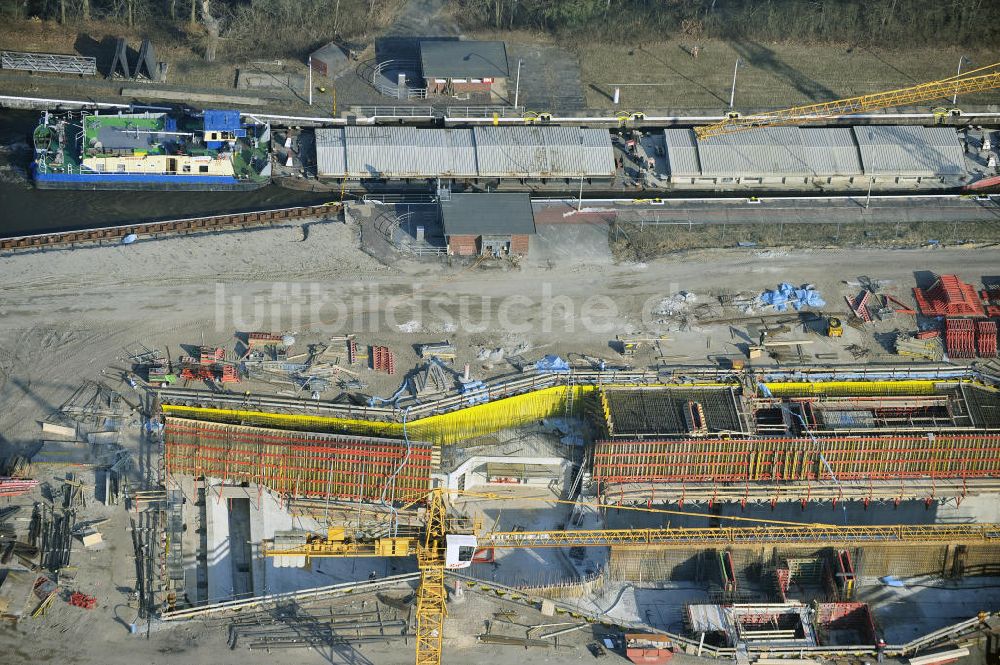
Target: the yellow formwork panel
(443, 429)
(852, 388)
(288, 421)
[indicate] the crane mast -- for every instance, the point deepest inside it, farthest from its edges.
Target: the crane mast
(431, 595)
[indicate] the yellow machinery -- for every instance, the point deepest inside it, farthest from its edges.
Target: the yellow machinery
(975, 80)
(442, 550)
(834, 328)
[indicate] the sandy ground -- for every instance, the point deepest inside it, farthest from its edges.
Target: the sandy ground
(66, 316)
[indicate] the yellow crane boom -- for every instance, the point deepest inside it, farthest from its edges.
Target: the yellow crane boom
(439, 550)
(807, 535)
(976, 80)
(776, 536)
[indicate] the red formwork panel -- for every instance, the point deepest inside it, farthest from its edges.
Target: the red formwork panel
(949, 296)
(294, 463)
(230, 374)
(960, 338)
(383, 359)
(986, 339)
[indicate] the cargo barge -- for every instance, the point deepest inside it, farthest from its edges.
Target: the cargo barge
(214, 150)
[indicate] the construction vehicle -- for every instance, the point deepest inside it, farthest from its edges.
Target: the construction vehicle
(451, 543)
(974, 80)
(834, 328)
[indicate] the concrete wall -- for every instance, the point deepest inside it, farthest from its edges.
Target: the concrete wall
(473, 471)
(467, 245)
(651, 565)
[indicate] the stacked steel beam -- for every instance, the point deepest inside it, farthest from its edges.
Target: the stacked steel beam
(986, 339)
(802, 458)
(16, 486)
(383, 359)
(960, 339)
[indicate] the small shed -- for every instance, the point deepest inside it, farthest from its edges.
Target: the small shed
(487, 224)
(457, 67)
(329, 60)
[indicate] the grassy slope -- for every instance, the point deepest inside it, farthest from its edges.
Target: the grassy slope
(770, 75)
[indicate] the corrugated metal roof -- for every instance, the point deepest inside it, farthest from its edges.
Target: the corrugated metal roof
(487, 214)
(404, 152)
(832, 150)
(395, 152)
(331, 157)
(910, 150)
(519, 152)
(779, 151)
(540, 152)
(682, 153)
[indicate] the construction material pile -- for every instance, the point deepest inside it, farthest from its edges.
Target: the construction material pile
(787, 295)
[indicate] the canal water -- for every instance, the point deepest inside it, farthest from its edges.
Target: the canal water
(26, 210)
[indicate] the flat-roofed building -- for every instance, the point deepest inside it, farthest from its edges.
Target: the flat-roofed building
(454, 68)
(487, 224)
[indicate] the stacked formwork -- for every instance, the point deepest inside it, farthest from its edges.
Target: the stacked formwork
(986, 339)
(798, 458)
(959, 337)
(307, 464)
(443, 428)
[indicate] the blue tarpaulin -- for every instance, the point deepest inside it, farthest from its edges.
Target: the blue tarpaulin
(222, 121)
(786, 295)
(552, 364)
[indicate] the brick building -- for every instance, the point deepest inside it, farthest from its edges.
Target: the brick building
(487, 224)
(457, 68)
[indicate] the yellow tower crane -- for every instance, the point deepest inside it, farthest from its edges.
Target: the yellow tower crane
(975, 80)
(449, 544)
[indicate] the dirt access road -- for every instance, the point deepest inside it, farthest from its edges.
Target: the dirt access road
(65, 316)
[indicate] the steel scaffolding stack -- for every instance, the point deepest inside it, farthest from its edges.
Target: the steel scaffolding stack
(829, 441)
(303, 464)
(49, 62)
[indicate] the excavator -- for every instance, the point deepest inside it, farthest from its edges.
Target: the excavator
(452, 542)
(974, 80)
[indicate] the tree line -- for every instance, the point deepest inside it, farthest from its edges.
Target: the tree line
(277, 26)
(234, 27)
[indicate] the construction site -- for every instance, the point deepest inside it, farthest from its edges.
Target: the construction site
(821, 487)
(431, 419)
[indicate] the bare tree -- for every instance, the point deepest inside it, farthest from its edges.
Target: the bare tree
(212, 27)
(85, 9)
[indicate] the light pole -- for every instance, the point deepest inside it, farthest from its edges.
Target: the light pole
(517, 83)
(310, 80)
(964, 60)
(732, 94)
